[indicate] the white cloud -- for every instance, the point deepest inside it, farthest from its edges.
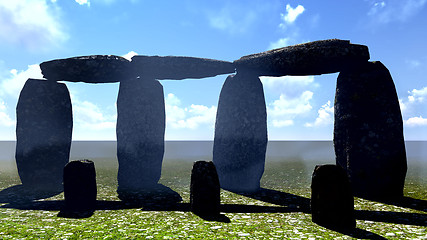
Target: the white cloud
(395, 10)
(413, 63)
(282, 123)
(83, 2)
(291, 15)
(87, 115)
(418, 95)
(232, 19)
(291, 86)
(376, 6)
(325, 116)
(403, 106)
(15, 80)
(189, 117)
(5, 119)
(416, 121)
(417, 98)
(413, 107)
(129, 55)
(33, 24)
(105, 2)
(283, 42)
(284, 110)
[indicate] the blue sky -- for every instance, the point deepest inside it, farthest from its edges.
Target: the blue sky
(299, 108)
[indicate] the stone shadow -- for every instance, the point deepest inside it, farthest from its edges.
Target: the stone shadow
(22, 194)
(288, 203)
(360, 234)
(407, 202)
(291, 201)
(295, 203)
(392, 217)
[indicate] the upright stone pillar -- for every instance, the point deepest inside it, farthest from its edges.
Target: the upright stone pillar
(240, 133)
(140, 135)
(368, 132)
(43, 133)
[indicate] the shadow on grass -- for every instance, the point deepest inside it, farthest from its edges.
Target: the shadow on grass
(360, 234)
(291, 201)
(17, 199)
(295, 203)
(408, 202)
(392, 217)
(22, 194)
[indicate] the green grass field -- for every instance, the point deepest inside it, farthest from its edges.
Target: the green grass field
(279, 212)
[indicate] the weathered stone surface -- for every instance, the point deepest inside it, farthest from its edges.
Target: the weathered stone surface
(332, 203)
(89, 69)
(177, 68)
(43, 133)
(368, 132)
(240, 133)
(140, 134)
(313, 58)
(80, 185)
(204, 189)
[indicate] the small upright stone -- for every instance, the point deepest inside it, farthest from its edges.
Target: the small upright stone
(204, 189)
(80, 185)
(240, 133)
(43, 133)
(313, 58)
(368, 132)
(177, 68)
(89, 69)
(332, 203)
(140, 135)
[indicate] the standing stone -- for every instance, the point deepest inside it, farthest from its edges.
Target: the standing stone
(43, 133)
(80, 185)
(240, 133)
(368, 132)
(140, 135)
(332, 203)
(204, 189)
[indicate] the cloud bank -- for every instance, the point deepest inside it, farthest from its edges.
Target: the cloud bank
(32, 24)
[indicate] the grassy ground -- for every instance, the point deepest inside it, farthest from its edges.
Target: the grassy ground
(280, 211)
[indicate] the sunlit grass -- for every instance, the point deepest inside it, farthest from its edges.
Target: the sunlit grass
(249, 218)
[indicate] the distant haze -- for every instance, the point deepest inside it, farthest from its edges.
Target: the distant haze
(202, 150)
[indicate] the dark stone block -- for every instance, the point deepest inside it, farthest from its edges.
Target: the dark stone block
(332, 203)
(89, 69)
(140, 134)
(240, 133)
(43, 133)
(368, 132)
(177, 68)
(204, 189)
(313, 58)
(80, 185)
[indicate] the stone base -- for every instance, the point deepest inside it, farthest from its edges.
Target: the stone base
(204, 189)
(332, 203)
(80, 185)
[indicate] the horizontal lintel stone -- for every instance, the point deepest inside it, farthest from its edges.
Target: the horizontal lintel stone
(313, 58)
(178, 68)
(89, 69)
